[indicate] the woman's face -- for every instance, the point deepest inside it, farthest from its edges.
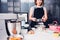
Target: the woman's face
(39, 2)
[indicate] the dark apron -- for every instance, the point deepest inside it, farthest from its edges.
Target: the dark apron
(38, 13)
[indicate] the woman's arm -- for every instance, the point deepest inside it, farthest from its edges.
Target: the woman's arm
(31, 14)
(44, 18)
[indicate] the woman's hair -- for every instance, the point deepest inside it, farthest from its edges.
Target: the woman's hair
(41, 4)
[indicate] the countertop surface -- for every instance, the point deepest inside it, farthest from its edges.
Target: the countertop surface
(8, 16)
(41, 35)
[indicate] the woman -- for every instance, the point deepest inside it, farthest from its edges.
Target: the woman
(37, 12)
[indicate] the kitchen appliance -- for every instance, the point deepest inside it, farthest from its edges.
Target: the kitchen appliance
(14, 26)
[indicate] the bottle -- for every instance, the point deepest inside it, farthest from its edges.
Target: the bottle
(22, 23)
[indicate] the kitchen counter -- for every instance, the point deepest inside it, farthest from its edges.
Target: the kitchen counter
(41, 35)
(8, 16)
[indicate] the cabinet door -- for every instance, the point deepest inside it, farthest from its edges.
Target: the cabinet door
(4, 6)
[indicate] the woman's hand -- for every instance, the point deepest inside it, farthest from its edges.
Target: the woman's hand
(33, 19)
(44, 19)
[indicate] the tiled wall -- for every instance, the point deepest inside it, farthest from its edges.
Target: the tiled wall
(10, 6)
